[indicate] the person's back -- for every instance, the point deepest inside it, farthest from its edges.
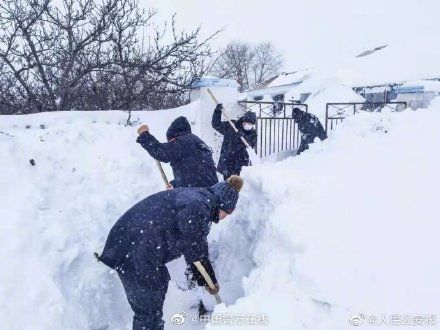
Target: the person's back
(155, 229)
(196, 167)
(158, 229)
(309, 126)
(190, 158)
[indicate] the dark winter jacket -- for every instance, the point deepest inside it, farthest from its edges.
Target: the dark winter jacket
(162, 227)
(233, 154)
(310, 128)
(189, 157)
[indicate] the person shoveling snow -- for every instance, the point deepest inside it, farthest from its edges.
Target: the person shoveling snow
(189, 157)
(310, 128)
(161, 228)
(234, 153)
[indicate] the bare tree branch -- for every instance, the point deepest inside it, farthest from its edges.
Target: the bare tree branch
(87, 54)
(246, 63)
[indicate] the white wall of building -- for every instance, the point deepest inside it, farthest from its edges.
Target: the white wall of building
(226, 92)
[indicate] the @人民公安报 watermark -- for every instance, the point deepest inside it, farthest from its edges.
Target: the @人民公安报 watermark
(426, 320)
(221, 319)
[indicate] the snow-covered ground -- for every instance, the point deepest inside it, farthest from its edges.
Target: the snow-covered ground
(349, 227)
(54, 215)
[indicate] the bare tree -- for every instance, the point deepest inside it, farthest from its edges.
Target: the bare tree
(86, 54)
(266, 64)
(235, 62)
(248, 64)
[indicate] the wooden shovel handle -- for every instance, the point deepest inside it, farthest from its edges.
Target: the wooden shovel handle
(208, 279)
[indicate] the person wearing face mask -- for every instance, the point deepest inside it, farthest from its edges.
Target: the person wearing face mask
(161, 228)
(233, 154)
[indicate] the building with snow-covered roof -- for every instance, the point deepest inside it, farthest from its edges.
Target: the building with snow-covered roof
(419, 93)
(275, 88)
(388, 73)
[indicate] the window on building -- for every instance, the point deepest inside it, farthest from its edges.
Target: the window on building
(304, 96)
(278, 98)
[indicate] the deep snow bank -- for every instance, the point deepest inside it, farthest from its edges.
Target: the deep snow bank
(349, 227)
(54, 215)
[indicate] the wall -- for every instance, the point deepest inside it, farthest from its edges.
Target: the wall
(225, 95)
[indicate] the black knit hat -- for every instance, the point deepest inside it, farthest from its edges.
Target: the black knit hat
(226, 193)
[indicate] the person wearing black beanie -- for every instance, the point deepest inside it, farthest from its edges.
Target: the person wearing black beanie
(161, 228)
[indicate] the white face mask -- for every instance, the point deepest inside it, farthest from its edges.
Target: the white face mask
(248, 127)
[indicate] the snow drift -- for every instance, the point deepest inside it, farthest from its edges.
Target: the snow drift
(349, 227)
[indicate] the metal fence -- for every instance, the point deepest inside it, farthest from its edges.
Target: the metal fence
(335, 113)
(276, 129)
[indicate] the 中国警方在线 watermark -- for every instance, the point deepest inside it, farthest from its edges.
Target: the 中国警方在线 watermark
(222, 319)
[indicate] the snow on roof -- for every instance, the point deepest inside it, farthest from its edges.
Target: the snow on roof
(321, 95)
(281, 84)
(264, 84)
(396, 63)
(268, 91)
(421, 85)
(289, 78)
(208, 81)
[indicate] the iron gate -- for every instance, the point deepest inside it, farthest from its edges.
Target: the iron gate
(276, 129)
(335, 113)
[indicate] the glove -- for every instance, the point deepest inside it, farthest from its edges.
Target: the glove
(219, 107)
(215, 290)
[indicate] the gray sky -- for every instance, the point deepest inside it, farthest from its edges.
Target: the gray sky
(309, 32)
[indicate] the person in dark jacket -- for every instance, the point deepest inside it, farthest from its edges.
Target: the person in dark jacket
(309, 126)
(233, 154)
(189, 157)
(158, 229)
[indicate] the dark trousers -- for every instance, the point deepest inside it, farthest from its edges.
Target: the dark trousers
(146, 295)
(302, 147)
(305, 141)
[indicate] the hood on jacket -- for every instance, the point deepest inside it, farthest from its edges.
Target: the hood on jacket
(180, 126)
(297, 114)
